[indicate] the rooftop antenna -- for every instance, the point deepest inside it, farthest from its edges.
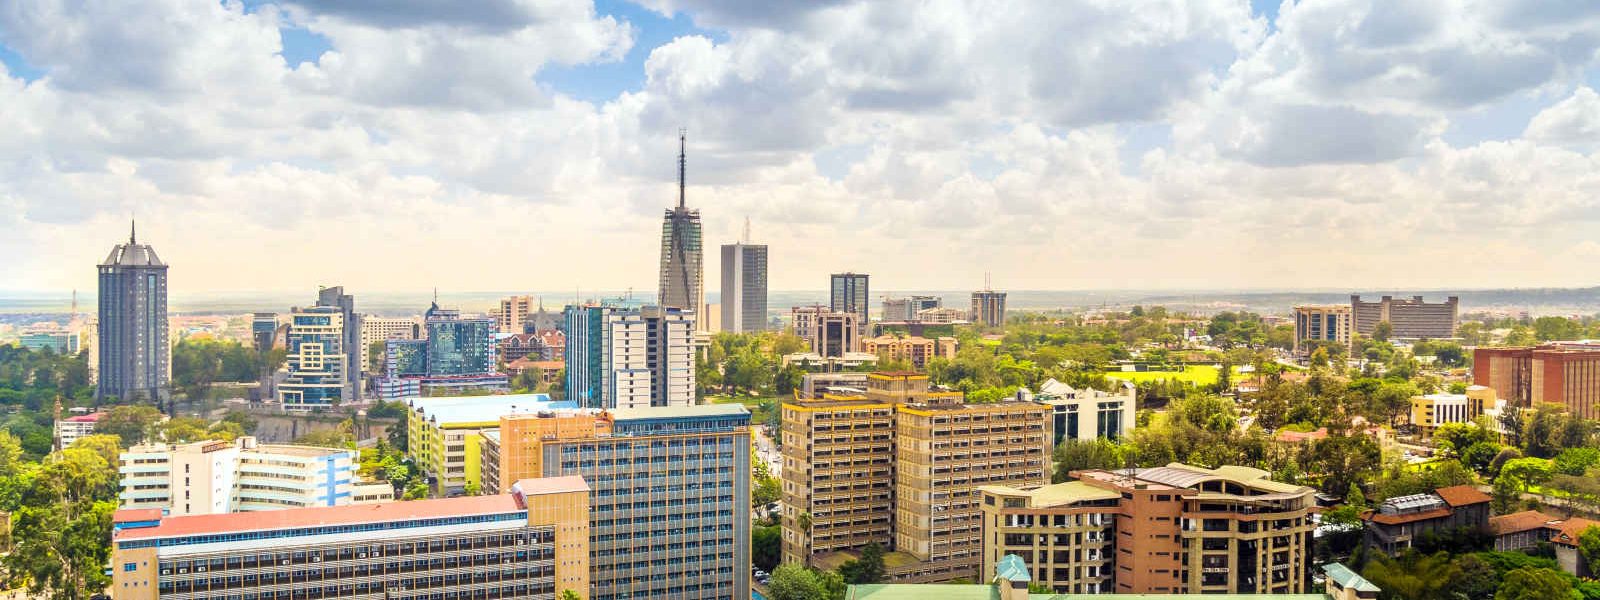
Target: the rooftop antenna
(133, 232)
(682, 162)
(747, 229)
(986, 286)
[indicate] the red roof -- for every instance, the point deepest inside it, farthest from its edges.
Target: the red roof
(1462, 495)
(134, 515)
(1567, 531)
(296, 518)
(89, 418)
(1288, 436)
(1377, 517)
(1519, 522)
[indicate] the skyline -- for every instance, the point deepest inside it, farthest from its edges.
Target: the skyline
(1319, 145)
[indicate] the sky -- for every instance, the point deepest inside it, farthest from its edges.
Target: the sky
(400, 145)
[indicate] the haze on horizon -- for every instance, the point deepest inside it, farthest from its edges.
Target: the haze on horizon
(511, 144)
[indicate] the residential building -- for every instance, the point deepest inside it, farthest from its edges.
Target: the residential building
(212, 477)
(942, 316)
(264, 331)
(317, 361)
(671, 492)
(682, 259)
(849, 293)
(620, 357)
(355, 354)
(1565, 373)
(744, 287)
(989, 309)
(1071, 411)
(1177, 529)
(1522, 530)
(1011, 580)
(60, 342)
(513, 312)
(549, 344)
(134, 356)
(444, 433)
(1398, 522)
(830, 333)
(1430, 411)
(382, 329)
(916, 350)
(549, 370)
(531, 543)
(68, 430)
(1345, 584)
(1321, 323)
(904, 310)
(1410, 319)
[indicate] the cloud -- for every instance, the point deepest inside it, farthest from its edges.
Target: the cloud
(1573, 121)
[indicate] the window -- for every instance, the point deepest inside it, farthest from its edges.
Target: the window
(129, 567)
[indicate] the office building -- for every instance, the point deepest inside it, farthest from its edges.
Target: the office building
(1410, 319)
(904, 310)
(989, 309)
(830, 333)
(916, 350)
(59, 342)
(1564, 373)
(682, 259)
(317, 361)
(620, 357)
(70, 429)
(214, 477)
(849, 293)
(444, 433)
(1177, 529)
(458, 355)
(381, 329)
(135, 358)
(1430, 411)
(264, 331)
(1398, 522)
(355, 354)
(1322, 323)
(671, 492)
(899, 466)
(1088, 413)
(942, 316)
(744, 287)
(531, 543)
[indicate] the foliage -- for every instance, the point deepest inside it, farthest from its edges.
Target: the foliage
(570, 595)
(131, 423)
(866, 569)
(1526, 472)
(34, 380)
(1534, 584)
(1074, 454)
(1589, 545)
(766, 546)
(199, 362)
(790, 581)
(1576, 461)
(1400, 479)
(340, 436)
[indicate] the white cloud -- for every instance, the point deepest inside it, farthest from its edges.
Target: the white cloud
(1574, 121)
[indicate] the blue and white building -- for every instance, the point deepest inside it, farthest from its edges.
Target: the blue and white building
(215, 477)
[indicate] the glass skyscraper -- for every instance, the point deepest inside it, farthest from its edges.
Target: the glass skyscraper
(134, 352)
(458, 346)
(682, 259)
(848, 292)
(316, 361)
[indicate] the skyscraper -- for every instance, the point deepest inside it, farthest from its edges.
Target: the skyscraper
(630, 357)
(744, 286)
(681, 255)
(848, 293)
(317, 362)
(989, 308)
(350, 336)
(135, 357)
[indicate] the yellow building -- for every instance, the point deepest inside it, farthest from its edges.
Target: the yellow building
(916, 350)
(446, 434)
(1430, 411)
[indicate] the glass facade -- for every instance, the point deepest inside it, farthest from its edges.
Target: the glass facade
(460, 347)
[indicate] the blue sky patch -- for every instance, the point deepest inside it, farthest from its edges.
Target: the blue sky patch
(601, 82)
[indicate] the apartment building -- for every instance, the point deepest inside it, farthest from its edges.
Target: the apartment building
(1321, 323)
(898, 465)
(620, 357)
(531, 543)
(445, 433)
(989, 308)
(1410, 319)
(69, 429)
(1565, 373)
(904, 310)
(914, 349)
(215, 477)
(1177, 529)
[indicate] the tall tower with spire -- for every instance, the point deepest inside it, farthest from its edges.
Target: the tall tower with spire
(682, 259)
(135, 356)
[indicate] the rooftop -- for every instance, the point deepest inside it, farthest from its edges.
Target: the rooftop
(321, 516)
(550, 485)
(1462, 495)
(1519, 522)
(88, 418)
(679, 412)
(1348, 579)
(1055, 494)
(942, 591)
(1567, 531)
(482, 409)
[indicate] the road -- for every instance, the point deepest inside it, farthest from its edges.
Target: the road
(767, 449)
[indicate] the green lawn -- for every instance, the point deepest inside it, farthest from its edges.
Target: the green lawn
(1196, 374)
(752, 404)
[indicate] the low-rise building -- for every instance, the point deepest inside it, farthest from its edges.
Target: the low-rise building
(444, 433)
(1345, 584)
(1565, 539)
(1089, 413)
(913, 349)
(215, 477)
(1012, 581)
(68, 430)
(1397, 523)
(1522, 530)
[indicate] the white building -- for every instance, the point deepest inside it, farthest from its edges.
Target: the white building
(68, 430)
(1088, 413)
(217, 477)
(378, 329)
(644, 356)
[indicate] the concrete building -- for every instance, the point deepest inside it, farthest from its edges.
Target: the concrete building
(813, 385)
(917, 350)
(444, 433)
(382, 329)
(317, 361)
(904, 310)
(355, 354)
(1345, 584)
(850, 293)
(1430, 411)
(264, 331)
(514, 310)
(1088, 413)
(549, 344)
(1565, 373)
(1411, 319)
(1397, 522)
(214, 477)
(682, 258)
(1565, 539)
(899, 466)
(744, 287)
(1322, 323)
(68, 430)
(831, 333)
(630, 357)
(531, 543)
(942, 316)
(671, 492)
(1177, 529)
(989, 309)
(134, 356)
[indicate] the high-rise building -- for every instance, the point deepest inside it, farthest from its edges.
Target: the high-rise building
(989, 309)
(513, 311)
(317, 360)
(214, 477)
(1176, 529)
(744, 287)
(530, 543)
(831, 333)
(1409, 319)
(682, 259)
(849, 292)
(1321, 323)
(460, 346)
(670, 492)
(381, 329)
(456, 355)
(899, 466)
(905, 309)
(354, 353)
(1563, 373)
(264, 331)
(621, 357)
(134, 356)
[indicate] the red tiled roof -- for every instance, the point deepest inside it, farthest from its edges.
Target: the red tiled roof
(1462, 495)
(295, 518)
(1377, 517)
(89, 418)
(134, 515)
(1567, 531)
(1519, 522)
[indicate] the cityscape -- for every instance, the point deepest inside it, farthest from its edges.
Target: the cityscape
(903, 399)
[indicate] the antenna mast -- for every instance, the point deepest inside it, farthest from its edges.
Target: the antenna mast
(682, 163)
(747, 229)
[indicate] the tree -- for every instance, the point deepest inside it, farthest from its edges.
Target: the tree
(1528, 583)
(1411, 576)
(866, 569)
(1382, 331)
(790, 581)
(570, 595)
(133, 424)
(1589, 546)
(766, 547)
(1475, 579)
(1576, 461)
(1526, 472)
(1074, 454)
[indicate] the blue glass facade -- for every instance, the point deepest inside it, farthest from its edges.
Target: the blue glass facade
(316, 361)
(460, 347)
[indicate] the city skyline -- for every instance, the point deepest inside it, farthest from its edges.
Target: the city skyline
(1257, 139)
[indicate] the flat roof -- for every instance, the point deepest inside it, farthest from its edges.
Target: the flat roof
(1348, 578)
(321, 516)
(551, 485)
(1055, 494)
(483, 409)
(678, 412)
